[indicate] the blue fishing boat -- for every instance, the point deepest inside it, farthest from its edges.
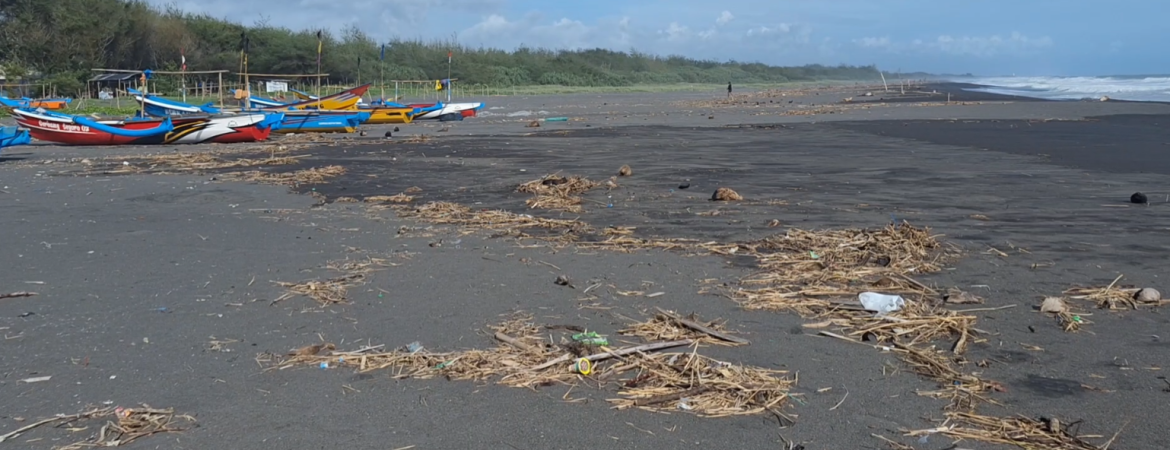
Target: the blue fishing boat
(314, 121)
(10, 136)
(160, 107)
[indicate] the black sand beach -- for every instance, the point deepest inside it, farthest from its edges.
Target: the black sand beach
(159, 288)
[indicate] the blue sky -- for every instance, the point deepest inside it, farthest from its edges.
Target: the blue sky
(984, 37)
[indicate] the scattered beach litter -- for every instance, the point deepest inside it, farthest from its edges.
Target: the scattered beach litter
(881, 303)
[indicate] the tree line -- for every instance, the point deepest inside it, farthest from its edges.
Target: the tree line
(59, 41)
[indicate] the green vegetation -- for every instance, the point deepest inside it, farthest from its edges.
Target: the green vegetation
(64, 39)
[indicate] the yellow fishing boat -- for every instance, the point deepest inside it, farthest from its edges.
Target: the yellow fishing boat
(341, 101)
(381, 116)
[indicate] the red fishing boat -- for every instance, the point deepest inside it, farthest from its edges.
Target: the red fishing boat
(77, 130)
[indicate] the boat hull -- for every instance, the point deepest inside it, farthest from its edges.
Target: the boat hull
(463, 109)
(322, 122)
(382, 116)
(344, 100)
(186, 130)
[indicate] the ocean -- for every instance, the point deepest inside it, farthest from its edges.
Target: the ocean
(1154, 88)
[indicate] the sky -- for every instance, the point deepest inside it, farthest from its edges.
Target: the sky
(982, 37)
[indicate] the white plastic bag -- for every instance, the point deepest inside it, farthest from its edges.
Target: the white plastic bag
(881, 303)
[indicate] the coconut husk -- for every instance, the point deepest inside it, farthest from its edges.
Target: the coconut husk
(726, 195)
(1148, 296)
(1053, 305)
(533, 124)
(625, 170)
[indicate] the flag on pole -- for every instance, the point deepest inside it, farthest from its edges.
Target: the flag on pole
(383, 57)
(318, 47)
(448, 57)
(183, 58)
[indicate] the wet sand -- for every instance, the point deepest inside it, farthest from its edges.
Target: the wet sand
(137, 274)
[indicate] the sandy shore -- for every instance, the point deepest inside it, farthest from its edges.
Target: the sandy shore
(159, 289)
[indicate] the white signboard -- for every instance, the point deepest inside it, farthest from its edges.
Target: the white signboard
(276, 86)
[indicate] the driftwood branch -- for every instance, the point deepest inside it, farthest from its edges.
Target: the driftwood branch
(516, 343)
(18, 294)
(703, 328)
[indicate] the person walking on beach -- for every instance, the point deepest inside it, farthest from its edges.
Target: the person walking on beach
(728, 89)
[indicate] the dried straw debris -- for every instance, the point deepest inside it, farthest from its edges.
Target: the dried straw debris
(313, 175)
(445, 213)
(1116, 297)
(1020, 431)
(397, 198)
(333, 290)
(325, 292)
(668, 326)
(526, 357)
(126, 425)
(554, 191)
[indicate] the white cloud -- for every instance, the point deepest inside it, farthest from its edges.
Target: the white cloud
(676, 32)
(768, 31)
(873, 42)
(1014, 44)
(724, 18)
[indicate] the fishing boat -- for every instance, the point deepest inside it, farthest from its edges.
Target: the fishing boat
(382, 112)
(320, 121)
(261, 102)
(303, 121)
(160, 107)
(447, 111)
(47, 103)
(189, 129)
(343, 100)
(11, 136)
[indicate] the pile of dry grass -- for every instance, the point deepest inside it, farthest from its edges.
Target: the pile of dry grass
(1022, 432)
(445, 213)
(527, 357)
(397, 198)
(1116, 297)
(313, 175)
(668, 326)
(806, 272)
(325, 292)
(554, 191)
(183, 163)
(126, 425)
(333, 290)
(802, 264)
